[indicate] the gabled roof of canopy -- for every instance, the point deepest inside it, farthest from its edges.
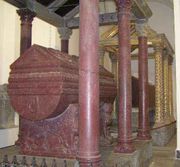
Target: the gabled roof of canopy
(64, 12)
(109, 39)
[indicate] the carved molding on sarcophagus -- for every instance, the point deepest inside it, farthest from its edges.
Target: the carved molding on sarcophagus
(56, 136)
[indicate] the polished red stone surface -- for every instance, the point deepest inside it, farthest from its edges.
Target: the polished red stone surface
(135, 94)
(144, 125)
(54, 137)
(42, 84)
(26, 17)
(88, 152)
(125, 91)
(65, 45)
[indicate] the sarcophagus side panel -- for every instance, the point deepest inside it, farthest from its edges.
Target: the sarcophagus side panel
(55, 137)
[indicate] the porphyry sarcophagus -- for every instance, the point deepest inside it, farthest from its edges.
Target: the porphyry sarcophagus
(43, 89)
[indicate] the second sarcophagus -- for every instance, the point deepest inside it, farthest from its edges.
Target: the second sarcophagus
(43, 88)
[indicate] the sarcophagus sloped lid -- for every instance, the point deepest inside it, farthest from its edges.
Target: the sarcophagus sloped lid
(44, 81)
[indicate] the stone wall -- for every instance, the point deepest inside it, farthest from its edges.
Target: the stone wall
(7, 114)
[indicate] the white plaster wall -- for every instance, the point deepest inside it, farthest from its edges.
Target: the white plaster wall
(8, 137)
(162, 20)
(107, 7)
(177, 65)
(74, 43)
(44, 34)
(107, 60)
(9, 34)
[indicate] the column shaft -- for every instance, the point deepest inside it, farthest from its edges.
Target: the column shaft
(88, 153)
(125, 94)
(65, 45)
(166, 89)
(159, 116)
(144, 127)
(26, 17)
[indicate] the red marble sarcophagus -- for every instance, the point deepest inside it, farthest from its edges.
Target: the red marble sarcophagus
(43, 89)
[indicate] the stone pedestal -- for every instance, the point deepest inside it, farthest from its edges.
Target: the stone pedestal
(139, 158)
(7, 113)
(162, 135)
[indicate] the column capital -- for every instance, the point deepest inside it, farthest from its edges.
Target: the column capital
(26, 15)
(158, 47)
(65, 32)
(124, 6)
(142, 28)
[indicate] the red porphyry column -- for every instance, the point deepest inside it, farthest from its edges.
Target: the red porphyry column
(26, 17)
(65, 45)
(88, 152)
(144, 125)
(125, 94)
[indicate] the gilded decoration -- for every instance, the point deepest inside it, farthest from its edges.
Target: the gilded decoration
(163, 69)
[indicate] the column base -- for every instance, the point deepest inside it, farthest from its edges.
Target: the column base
(158, 124)
(167, 121)
(124, 148)
(94, 161)
(162, 135)
(143, 135)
